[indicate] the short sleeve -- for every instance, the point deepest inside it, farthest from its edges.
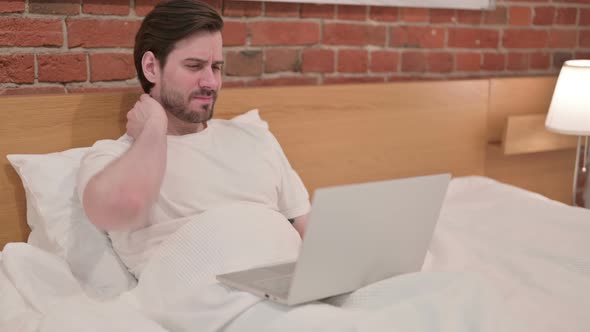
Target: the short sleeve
(99, 156)
(293, 196)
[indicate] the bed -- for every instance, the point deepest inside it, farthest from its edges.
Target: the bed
(508, 253)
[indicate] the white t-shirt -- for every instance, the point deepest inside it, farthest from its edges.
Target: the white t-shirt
(228, 162)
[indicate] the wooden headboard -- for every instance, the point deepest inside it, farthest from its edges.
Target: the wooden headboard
(331, 134)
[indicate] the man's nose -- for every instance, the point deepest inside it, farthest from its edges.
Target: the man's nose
(208, 80)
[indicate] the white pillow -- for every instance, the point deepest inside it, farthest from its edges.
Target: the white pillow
(59, 225)
(251, 117)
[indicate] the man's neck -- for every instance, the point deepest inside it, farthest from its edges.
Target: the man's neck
(177, 127)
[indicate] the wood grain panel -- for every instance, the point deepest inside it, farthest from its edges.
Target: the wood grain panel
(42, 124)
(331, 134)
(513, 96)
(547, 173)
(354, 133)
(527, 133)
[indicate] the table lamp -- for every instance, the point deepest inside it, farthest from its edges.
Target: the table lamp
(569, 113)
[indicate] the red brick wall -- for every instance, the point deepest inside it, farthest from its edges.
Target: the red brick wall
(86, 45)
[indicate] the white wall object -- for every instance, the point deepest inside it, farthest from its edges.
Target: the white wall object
(455, 4)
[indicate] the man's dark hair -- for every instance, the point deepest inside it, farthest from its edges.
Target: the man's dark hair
(169, 22)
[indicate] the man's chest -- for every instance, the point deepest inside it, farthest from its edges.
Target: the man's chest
(203, 178)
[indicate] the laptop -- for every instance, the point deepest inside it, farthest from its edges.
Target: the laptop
(356, 235)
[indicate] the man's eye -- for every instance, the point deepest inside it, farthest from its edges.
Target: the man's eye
(194, 67)
(216, 68)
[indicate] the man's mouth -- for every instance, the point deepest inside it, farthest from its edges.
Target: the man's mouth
(204, 98)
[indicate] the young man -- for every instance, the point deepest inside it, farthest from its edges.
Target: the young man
(175, 162)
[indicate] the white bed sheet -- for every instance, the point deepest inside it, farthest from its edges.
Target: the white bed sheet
(534, 250)
(497, 249)
(15, 313)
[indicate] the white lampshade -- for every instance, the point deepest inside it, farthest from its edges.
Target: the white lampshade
(569, 112)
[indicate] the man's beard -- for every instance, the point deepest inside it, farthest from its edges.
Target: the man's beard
(174, 102)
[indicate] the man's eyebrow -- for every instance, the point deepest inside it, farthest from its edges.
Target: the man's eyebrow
(204, 61)
(195, 60)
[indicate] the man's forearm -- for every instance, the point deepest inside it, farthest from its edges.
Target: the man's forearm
(121, 195)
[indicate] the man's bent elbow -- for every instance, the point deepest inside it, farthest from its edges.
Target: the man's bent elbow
(123, 211)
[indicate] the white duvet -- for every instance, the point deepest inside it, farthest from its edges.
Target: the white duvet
(502, 259)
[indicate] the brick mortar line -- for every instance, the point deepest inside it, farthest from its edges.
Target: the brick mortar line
(442, 74)
(266, 19)
(481, 73)
(263, 56)
(72, 16)
(501, 41)
(270, 76)
(490, 26)
(545, 5)
(388, 36)
(369, 59)
(299, 60)
(46, 50)
(478, 26)
(133, 14)
(446, 46)
(102, 84)
(87, 68)
(356, 75)
(132, 11)
(250, 79)
(284, 74)
(115, 50)
(454, 65)
(372, 48)
(435, 74)
(129, 51)
(319, 77)
(30, 85)
(322, 21)
(368, 16)
(540, 4)
(64, 34)
(336, 58)
(36, 69)
(469, 50)
(399, 63)
(322, 32)
(106, 17)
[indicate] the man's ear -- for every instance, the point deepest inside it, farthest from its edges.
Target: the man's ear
(151, 67)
